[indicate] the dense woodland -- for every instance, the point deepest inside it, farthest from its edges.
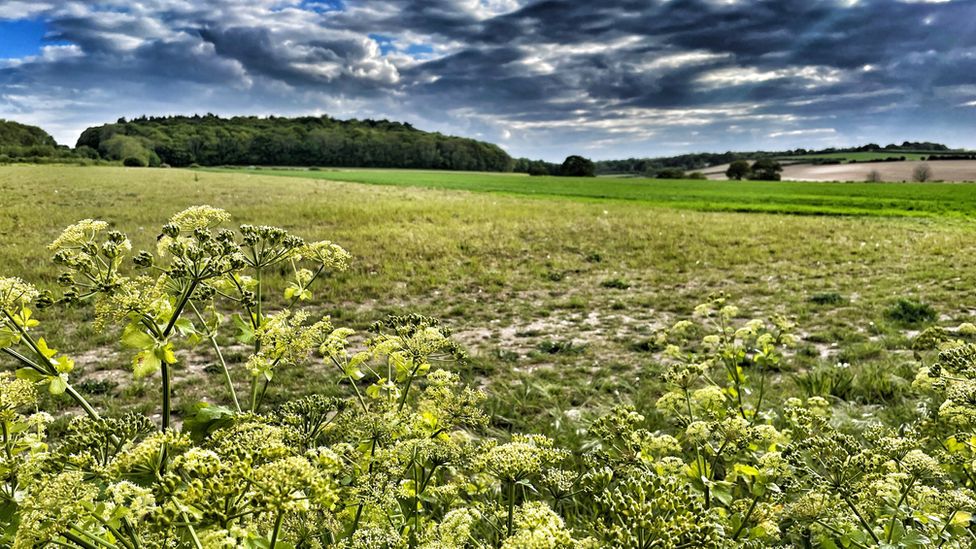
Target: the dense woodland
(23, 143)
(307, 141)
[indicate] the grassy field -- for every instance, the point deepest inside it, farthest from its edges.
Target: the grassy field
(557, 294)
(862, 199)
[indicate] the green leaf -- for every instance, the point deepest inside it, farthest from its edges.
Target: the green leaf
(134, 337)
(30, 374)
(145, 364)
(44, 349)
(8, 337)
(245, 330)
(58, 384)
(165, 354)
(207, 418)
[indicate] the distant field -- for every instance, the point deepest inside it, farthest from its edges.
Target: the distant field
(942, 170)
(859, 156)
(907, 200)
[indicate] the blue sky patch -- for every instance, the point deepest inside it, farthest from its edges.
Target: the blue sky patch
(385, 42)
(21, 38)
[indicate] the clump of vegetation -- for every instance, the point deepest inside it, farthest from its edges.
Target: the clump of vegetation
(910, 313)
(615, 283)
(560, 347)
(405, 457)
(922, 173)
(827, 298)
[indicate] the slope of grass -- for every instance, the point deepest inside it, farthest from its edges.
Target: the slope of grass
(890, 200)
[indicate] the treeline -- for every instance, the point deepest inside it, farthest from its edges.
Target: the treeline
(274, 141)
(23, 143)
(659, 167)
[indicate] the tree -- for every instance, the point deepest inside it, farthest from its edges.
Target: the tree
(766, 169)
(577, 166)
(738, 170)
(922, 173)
(670, 173)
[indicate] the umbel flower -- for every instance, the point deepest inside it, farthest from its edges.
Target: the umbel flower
(15, 294)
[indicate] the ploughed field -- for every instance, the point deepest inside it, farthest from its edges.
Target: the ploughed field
(556, 286)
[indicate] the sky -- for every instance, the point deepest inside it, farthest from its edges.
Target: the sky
(543, 79)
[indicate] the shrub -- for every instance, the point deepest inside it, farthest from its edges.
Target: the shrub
(615, 283)
(910, 313)
(827, 298)
(133, 162)
(922, 173)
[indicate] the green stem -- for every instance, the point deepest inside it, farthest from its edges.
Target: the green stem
(864, 523)
(220, 356)
(75, 539)
(894, 514)
(36, 367)
(277, 527)
(177, 312)
(745, 519)
(511, 507)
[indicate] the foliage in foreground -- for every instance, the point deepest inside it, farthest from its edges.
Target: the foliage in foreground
(406, 461)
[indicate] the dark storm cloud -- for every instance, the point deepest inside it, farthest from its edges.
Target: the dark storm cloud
(544, 78)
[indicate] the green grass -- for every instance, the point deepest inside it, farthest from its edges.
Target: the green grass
(557, 297)
(890, 200)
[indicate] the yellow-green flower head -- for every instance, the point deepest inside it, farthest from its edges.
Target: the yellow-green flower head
(523, 457)
(146, 456)
(966, 329)
(49, 506)
(921, 465)
(453, 531)
(538, 527)
(199, 217)
(79, 234)
(16, 393)
(329, 255)
(15, 293)
(711, 398)
(136, 500)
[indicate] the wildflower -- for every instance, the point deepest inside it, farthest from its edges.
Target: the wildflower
(525, 456)
(16, 393)
(328, 255)
(78, 235)
(15, 294)
(538, 527)
(199, 217)
(51, 506)
(138, 502)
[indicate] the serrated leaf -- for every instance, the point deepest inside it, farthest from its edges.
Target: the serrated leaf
(245, 330)
(44, 349)
(145, 364)
(134, 337)
(29, 374)
(165, 354)
(57, 384)
(8, 338)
